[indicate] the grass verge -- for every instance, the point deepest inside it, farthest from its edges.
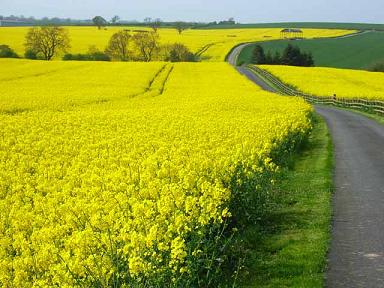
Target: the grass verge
(372, 116)
(288, 247)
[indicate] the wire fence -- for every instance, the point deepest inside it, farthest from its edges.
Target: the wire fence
(373, 106)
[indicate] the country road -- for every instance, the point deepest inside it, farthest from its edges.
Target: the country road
(356, 256)
(232, 57)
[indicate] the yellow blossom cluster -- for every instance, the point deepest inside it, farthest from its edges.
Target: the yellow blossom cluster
(112, 193)
(211, 44)
(322, 81)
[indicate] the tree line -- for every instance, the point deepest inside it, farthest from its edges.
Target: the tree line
(98, 21)
(46, 42)
(292, 56)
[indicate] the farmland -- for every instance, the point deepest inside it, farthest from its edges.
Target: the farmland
(107, 178)
(129, 173)
(311, 25)
(356, 52)
(211, 45)
(322, 81)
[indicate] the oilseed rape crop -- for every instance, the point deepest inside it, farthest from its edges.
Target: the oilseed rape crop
(210, 45)
(129, 174)
(24, 83)
(326, 82)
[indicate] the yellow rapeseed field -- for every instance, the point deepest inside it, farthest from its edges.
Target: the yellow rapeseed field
(322, 81)
(124, 174)
(213, 45)
(24, 83)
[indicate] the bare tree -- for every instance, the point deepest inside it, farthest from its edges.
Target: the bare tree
(147, 44)
(155, 24)
(181, 26)
(118, 45)
(115, 19)
(47, 40)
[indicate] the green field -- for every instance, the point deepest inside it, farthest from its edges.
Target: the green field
(357, 52)
(323, 25)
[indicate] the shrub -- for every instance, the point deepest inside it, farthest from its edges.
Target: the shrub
(30, 54)
(241, 63)
(179, 53)
(71, 57)
(92, 55)
(7, 52)
(377, 66)
(100, 56)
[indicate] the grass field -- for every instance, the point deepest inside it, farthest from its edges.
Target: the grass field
(356, 52)
(211, 45)
(322, 81)
(312, 25)
(133, 173)
(288, 248)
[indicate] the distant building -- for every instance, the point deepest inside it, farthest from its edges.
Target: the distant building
(291, 33)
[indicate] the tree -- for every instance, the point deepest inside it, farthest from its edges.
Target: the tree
(7, 52)
(47, 41)
(290, 55)
(147, 43)
(99, 21)
(268, 57)
(181, 26)
(230, 21)
(179, 53)
(155, 24)
(276, 59)
(308, 60)
(115, 19)
(294, 57)
(258, 56)
(118, 45)
(30, 54)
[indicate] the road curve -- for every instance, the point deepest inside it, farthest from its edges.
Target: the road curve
(232, 60)
(255, 78)
(356, 257)
(234, 54)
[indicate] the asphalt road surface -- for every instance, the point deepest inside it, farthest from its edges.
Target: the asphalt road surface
(255, 78)
(356, 256)
(232, 58)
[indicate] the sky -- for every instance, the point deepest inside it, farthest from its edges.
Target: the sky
(244, 11)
